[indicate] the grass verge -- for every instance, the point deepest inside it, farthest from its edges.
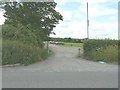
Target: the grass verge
(73, 44)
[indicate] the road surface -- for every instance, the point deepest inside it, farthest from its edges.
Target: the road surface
(63, 69)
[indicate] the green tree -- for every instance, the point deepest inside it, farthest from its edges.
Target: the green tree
(39, 17)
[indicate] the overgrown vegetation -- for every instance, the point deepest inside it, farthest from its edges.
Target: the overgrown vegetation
(16, 52)
(27, 26)
(104, 50)
(21, 34)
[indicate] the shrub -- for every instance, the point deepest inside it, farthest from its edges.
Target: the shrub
(16, 52)
(106, 50)
(22, 34)
(94, 44)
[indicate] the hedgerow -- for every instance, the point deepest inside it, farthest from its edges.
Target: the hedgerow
(106, 50)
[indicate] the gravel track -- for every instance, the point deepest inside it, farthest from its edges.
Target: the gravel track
(62, 69)
(65, 59)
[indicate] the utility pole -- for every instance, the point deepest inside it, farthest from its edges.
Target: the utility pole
(87, 23)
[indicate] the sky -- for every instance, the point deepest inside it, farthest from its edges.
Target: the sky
(103, 19)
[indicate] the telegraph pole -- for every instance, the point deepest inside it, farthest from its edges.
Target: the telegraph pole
(87, 23)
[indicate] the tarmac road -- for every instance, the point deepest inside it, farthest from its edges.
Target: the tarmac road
(61, 70)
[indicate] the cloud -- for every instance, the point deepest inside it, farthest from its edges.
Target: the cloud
(79, 30)
(67, 15)
(2, 19)
(104, 30)
(103, 20)
(60, 2)
(98, 8)
(84, 1)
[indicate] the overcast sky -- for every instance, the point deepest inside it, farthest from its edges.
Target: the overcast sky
(103, 17)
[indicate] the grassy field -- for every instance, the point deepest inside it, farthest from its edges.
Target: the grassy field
(73, 44)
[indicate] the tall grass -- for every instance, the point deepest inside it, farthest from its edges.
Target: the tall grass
(108, 54)
(111, 54)
(16, 52)
(105, 50)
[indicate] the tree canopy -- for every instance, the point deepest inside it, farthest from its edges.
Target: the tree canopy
(39, 17)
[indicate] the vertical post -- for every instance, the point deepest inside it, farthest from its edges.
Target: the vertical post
(79, 52)
(87, 23)
(48, 45)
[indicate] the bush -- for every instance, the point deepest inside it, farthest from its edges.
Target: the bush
(16, 52)
(106, 50)
(94, 44)
(22, 34)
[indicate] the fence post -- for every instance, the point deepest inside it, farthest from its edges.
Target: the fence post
(79, 52)
(48, 47)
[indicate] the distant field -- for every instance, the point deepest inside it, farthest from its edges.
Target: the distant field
(73, 44)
